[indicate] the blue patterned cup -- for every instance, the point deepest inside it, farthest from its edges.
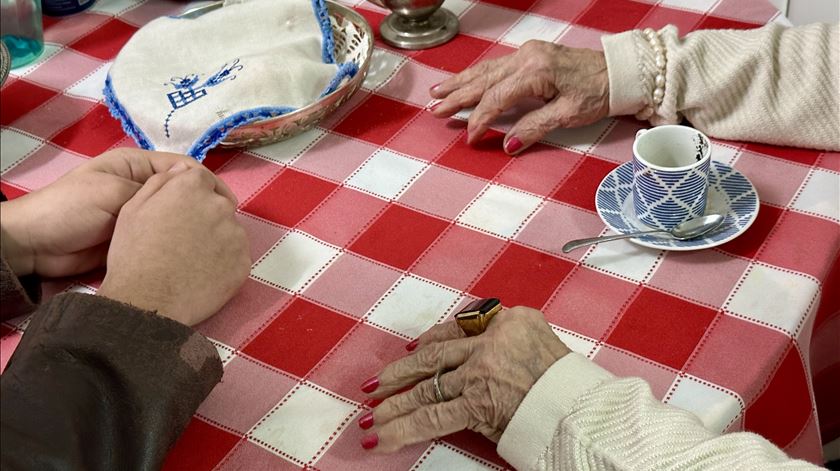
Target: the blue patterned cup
(670, 175)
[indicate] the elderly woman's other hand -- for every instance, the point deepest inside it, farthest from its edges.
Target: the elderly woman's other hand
(573, 82)
(485, 379)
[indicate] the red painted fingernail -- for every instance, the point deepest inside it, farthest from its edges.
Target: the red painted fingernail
(435, 106)
(366, 421)
(412, 345)
(434, 87)
(370, 385)
(370, 441)
(513, 145)
(373, 402)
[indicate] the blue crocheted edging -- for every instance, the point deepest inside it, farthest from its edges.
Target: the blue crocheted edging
(345, 70)
(219, 130)
(328, 44)
(119, 112)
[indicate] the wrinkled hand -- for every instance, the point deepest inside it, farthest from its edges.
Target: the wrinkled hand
(573, 83)
(490, 375)
(64, 228)
(177, 247)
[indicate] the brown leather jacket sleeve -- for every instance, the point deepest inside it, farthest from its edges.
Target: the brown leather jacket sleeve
(99, 385)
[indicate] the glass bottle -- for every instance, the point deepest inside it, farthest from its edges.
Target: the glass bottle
(21, 30)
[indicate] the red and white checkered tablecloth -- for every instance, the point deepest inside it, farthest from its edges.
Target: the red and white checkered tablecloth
(380, 223)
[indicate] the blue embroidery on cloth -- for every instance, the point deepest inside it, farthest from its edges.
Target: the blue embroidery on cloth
(119, 112)
(188, 91)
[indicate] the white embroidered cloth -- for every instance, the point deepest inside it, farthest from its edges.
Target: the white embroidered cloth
(181, 85)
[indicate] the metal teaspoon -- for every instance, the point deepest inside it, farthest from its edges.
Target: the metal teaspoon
(690, 229)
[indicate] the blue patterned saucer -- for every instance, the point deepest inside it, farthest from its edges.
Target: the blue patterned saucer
(730, 193)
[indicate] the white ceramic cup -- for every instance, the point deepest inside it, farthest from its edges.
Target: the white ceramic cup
(670, 175)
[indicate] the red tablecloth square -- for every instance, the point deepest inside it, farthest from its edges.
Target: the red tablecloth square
(614, 15)
(106, 41)
(92, 135)
(20, 97)
(482, 160)
(352, 284)
(522, 277)
(213, 442)
(780, 413)
(661, 16)
(557, 223)
(44, 166)
(219, 156)
(247, 455)
(399, 236)
(579, 187)
(539, 169)
(377, 119)
(830, 161)
(660, 378)
(566, 10)
(751, 12)
(703, 276)
(617, 144)
(280, 345)
(346, 454)
(775, 180)
(458, 257)
(477, 444)
(727, 355)
(523, 5)
(247, 382)
(416, 140)
(342, 216)
(244, 173)
(442, 192)
(589, 302)
(64, 69)
(488, 21)
(322, 159)
(803, 156)
(65, 32)
(262, 235)
(53, 116)
(455, 55)
(361, 355)
(716, 22)
(800, 242)
(11, 191)
(581, 36)
(261, 303)
(661, 327)
(748, 243)
(289, 197)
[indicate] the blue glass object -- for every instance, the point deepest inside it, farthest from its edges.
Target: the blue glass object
(21, 30)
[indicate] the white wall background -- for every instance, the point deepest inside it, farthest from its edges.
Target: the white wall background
(801, 12)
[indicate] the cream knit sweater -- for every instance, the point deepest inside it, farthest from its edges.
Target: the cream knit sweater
(579, 417)
(774, 84)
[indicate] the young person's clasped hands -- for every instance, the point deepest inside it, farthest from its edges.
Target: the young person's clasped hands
(163, 222)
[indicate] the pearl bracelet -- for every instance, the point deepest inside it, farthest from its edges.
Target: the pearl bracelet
(661, 62)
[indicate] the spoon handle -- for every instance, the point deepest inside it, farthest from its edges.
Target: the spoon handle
(596, 240)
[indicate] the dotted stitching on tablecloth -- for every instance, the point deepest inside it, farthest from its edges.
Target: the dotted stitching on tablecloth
(644, 280)
(727, 304)
(356, 326)
(309, 280)
(401, 190)
(683, 297)
(521, 225)
(620, 313)
(648, 361)
(220, 425)
(799, 193)
(403, 60)
(28, 154)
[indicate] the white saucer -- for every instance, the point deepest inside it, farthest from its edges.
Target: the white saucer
(730, 194)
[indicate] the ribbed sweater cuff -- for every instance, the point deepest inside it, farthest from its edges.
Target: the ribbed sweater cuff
(626, 90)
(548, 402)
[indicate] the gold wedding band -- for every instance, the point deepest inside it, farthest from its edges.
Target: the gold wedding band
(475, 317)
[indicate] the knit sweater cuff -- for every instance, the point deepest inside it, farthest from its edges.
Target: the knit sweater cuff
(627, 95)
(548, 402)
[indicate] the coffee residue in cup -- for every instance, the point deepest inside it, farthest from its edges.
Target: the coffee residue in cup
(701, 146)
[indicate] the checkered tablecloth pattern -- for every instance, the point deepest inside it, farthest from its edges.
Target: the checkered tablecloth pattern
(382, 222)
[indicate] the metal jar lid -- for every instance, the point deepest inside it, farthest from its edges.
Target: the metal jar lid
(5, 62)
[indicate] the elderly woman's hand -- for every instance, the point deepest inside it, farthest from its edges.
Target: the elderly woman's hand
(573, 82)
(487, 377)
